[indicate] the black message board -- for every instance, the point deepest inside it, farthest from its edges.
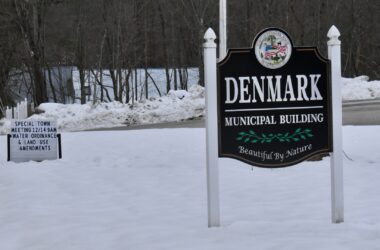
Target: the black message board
(274, 102)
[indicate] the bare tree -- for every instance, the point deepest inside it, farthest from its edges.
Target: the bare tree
(7, 56)
(29, 17)
(125, 36)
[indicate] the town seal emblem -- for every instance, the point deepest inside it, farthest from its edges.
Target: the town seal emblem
(273, 48)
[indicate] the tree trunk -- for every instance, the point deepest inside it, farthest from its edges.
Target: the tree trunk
(164, 45)
(51, 83)
(33, 41)
(82, 79)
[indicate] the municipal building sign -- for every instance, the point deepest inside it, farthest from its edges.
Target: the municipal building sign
(274, 102)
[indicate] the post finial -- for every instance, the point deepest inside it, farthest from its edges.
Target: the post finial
(210, 34)
(334, 35)
(210, 38)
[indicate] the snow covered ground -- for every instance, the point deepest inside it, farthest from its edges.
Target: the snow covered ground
(146, 189)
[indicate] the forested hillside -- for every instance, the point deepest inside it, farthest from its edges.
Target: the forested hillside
(123, 35)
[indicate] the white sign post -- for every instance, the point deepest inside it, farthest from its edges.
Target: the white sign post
(33, 140)
(334, 54)
(209, 48)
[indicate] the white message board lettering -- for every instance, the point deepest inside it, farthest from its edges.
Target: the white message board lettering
(33, 140)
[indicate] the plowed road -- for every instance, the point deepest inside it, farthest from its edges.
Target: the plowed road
(362, 112)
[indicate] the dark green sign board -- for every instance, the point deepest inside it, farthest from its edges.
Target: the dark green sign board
(274, 102)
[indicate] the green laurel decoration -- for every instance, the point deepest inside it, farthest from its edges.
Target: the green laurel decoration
(252, 137)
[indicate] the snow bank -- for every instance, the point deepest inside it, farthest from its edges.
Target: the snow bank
(360, 88)
(176, 106)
